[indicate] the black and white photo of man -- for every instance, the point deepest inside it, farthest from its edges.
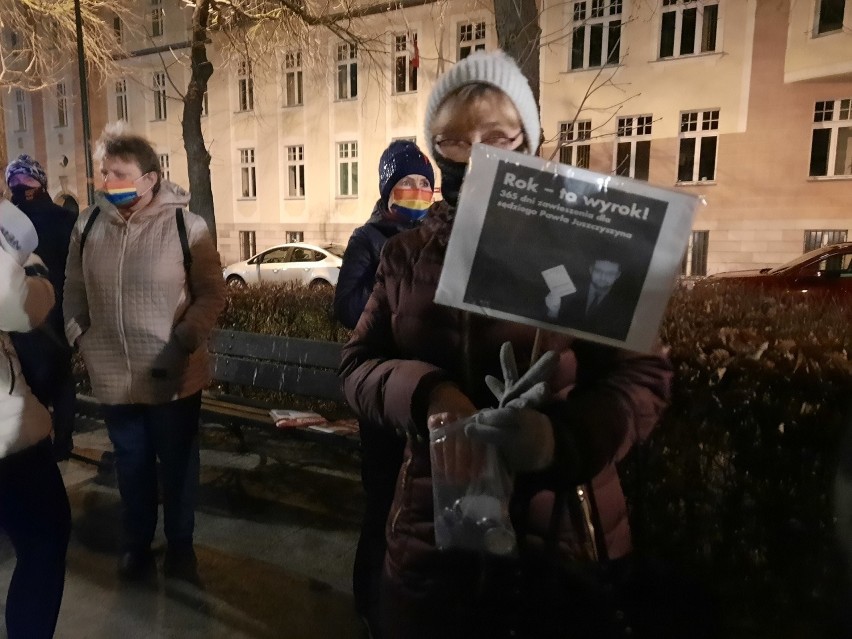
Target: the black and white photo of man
(596, 306)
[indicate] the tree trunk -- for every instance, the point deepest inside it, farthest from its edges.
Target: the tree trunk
(197, 157)
(519, 34)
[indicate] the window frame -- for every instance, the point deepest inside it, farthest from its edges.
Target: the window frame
(120, 90)
(586, 16)
(476, 40)
(834, 121)
(248, 173)
(407, 57)
(633, 130)
(571, 133)
(165, 166)
(295, 169)
(347, 69)
(248, 244)
(678, 9)
(695, 256)
(61, 105)
(706, 127)
(813, 239)
(818, 14)
(157, 16)
(245, 86)
(293, 67)
(21, 111)
(118, 29)
(292, 237)
(347, 155)
(161, 109)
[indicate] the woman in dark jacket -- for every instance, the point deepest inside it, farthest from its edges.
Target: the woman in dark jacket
(406, 180)
(411, 363)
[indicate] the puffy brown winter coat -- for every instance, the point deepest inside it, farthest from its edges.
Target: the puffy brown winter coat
(606, 400)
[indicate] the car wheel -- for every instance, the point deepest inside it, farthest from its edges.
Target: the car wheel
(236, 281)
(321, 285)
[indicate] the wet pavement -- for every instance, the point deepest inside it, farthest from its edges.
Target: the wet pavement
(276, 528)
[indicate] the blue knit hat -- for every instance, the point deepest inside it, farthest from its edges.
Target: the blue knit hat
(402, 158)
(26, 165)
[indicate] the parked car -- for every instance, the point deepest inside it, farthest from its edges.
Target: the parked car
(297, 262)
(824, 270)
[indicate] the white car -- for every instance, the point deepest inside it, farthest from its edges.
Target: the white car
(300, 263)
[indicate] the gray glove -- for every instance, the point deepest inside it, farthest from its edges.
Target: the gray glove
(523, 435)
(531, 390)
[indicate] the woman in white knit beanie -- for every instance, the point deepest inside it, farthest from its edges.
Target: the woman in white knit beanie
(412, 364)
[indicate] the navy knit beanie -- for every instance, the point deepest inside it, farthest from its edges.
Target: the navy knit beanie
(402, 158)
(26, 165)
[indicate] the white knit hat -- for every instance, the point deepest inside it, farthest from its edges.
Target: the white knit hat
(18, 236)
(498, 70)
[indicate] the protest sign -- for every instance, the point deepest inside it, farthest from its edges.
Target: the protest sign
(565, 249)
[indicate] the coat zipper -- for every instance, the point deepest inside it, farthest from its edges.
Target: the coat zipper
(121, 255)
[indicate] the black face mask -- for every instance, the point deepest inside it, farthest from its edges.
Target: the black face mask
(452, 176)
(23, 193)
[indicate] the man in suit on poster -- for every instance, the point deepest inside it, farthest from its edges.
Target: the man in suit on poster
(596, 307)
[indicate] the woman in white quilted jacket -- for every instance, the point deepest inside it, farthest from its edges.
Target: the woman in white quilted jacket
(143, 290)
(34, 509)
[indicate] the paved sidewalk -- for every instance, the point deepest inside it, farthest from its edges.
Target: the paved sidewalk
(275, 537)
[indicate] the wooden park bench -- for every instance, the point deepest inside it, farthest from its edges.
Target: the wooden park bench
(299, 367)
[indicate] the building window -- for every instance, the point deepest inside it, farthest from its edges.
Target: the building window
(61, 105)
(118, 29)
(156, 18)
(248, 173)
(695, 258)
(596, 36)
(21, 109)
(347, 71)
(406, 61)
(159, 86)
(296, 171)
(818, 239)
(347, 169)
(633, 147)
(829, 15)
(471, 38)
(831, 140)
(121, 100)
(699, 134)
(293, 79)
(294, 236)
(570, 151)
(245, 85)
(688, 26)
(205, 104)
(248, 246)
(164, 166)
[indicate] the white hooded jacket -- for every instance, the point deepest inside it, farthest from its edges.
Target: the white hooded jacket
(128, 306)
(24, 304)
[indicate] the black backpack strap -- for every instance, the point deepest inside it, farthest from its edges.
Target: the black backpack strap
(184, 245)
(92, 217)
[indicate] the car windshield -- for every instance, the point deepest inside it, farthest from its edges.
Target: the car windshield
(802, 259)
(335, 249)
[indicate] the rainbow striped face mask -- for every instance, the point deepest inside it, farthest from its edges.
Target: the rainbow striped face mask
(411, 204)
(122, 193)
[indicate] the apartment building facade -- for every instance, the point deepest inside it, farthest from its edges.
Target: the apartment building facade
(747, 103)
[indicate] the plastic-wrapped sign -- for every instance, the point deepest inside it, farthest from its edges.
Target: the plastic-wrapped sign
(565, 249)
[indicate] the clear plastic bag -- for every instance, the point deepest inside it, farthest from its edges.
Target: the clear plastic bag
(471, 487)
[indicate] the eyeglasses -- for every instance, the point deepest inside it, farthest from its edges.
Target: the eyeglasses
(463, 146)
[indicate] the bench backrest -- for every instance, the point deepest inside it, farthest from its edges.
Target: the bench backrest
(287, 364)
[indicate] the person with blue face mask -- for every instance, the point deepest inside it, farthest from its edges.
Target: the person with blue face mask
(406, 180)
